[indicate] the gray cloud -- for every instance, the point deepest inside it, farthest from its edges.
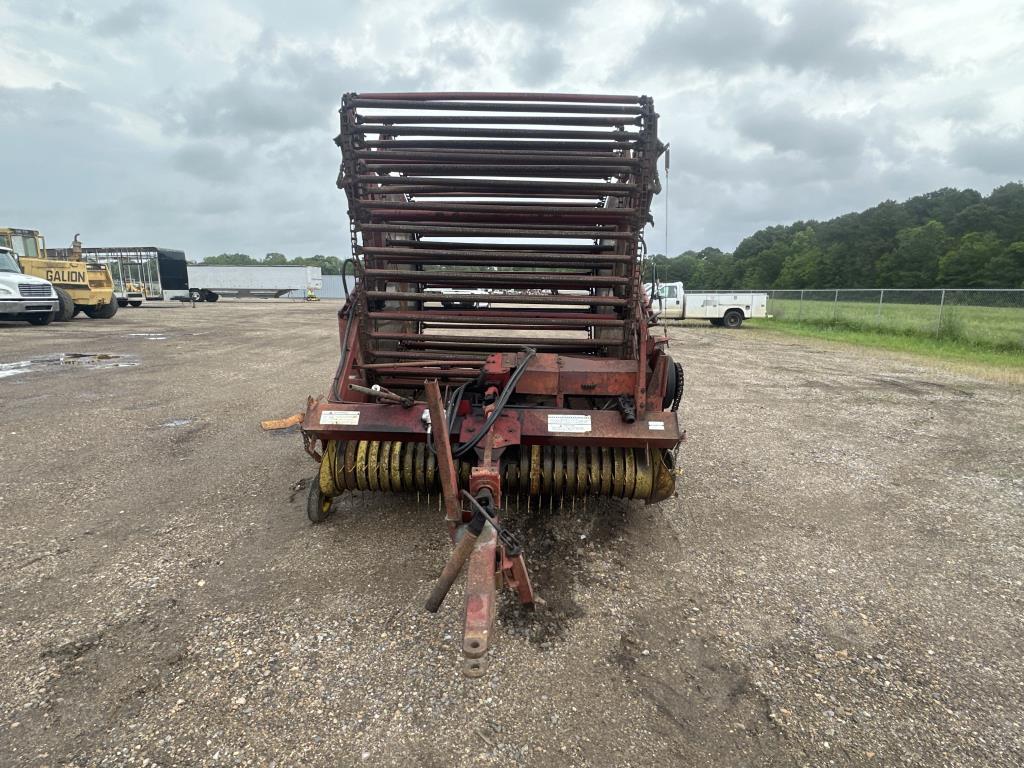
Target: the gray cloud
(787, 128)
(207, 161)
(1000, 154)
(276, 91)
(129, 19)
(542, 64)
(730, 36)
(822, 36)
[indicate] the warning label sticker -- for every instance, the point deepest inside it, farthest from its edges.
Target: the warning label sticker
(657, 425)
(344, 418)
(563, 422)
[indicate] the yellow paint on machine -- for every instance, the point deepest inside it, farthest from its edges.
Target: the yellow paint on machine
(89, 285)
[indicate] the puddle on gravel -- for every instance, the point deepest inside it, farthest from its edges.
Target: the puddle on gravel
(67, 360)
(171, 423)
(149, 336)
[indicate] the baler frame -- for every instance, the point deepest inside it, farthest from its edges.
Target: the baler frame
(553, 382)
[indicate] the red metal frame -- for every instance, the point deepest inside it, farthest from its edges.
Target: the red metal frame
(537, 204)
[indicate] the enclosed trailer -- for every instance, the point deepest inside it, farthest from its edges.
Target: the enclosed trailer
(209, 282)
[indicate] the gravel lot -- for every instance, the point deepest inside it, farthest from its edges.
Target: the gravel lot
(839, 581)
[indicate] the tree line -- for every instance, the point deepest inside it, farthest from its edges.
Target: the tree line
(948, 238)
(329, 265)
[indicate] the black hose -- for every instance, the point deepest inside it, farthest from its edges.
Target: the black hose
(344, 282)
(499, 405)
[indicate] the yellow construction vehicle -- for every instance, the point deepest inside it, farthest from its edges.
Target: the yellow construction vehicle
(80, 286)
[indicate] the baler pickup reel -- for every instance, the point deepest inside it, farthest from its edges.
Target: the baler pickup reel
(496, 346)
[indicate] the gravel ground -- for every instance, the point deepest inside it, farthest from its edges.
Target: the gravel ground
(839, 581)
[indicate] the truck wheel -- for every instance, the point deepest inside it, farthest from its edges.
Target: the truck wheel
(41, 318)
(102, 312)
(733, 319)
(66, 308)
(194, 294)
(211, 296)
(134, 303)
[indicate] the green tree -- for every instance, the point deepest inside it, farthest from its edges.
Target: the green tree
(275, 259)
(803, 263)
(1006, 270)
(914, 263)
(231, 259)
(965, 265)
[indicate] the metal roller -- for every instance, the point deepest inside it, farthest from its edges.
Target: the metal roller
(540, 471)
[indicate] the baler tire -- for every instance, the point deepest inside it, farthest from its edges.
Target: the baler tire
(134, 303)
(66, 306)
(318, 506)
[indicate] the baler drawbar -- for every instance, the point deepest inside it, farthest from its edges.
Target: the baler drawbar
(496, 344)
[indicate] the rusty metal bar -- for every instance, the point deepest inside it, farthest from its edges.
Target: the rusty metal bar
(507, 156)
(492, 133)
(439, 319)
(480, 600)
(501, 342)
(497, 120)
(363, 101)
(496, 184)
(498, 145)
(424, 365)
(435, 170)
(443, 451)
(505, 298)
(520, 279)
(552, 248)
(499, 258)
(526, 96)
(469, 229)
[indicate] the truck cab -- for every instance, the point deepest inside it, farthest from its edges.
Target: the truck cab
(24, 297)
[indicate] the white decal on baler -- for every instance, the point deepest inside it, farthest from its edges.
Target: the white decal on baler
(568, 422)
(343, 418)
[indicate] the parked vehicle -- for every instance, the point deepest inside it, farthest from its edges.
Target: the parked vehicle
(461, 298)
(209, 283)
(80, 286)
(140, 273)
(672, 302)
(24, 297)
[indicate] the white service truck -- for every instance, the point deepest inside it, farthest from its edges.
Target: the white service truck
(24, 297)
(672, 302)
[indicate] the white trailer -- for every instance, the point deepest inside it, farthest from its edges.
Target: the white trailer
(209, 283)
(725, 308)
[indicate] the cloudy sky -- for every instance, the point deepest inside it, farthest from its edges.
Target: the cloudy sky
(208, 126)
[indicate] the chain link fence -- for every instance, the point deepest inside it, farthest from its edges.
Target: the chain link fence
(987, 317)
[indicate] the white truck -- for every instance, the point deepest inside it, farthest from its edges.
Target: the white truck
(209, 283)
(24, 297)
(723, 308)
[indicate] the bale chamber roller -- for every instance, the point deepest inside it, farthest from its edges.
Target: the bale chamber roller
(497, 343)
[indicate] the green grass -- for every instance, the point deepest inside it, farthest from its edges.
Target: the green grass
(934, 347)
(993, 329)
(989, 336)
